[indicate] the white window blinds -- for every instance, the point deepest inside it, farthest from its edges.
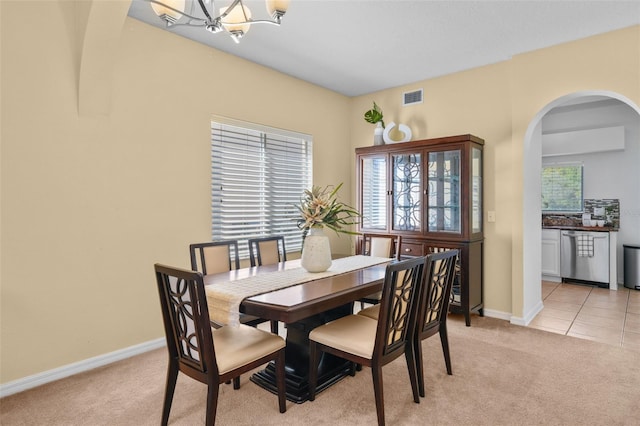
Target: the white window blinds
(258, 174)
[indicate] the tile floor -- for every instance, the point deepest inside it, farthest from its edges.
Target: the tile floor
(592, 313)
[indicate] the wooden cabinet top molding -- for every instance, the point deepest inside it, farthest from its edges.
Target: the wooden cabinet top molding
(420, 143)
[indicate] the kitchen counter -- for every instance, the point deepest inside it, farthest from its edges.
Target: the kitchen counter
(583, 228)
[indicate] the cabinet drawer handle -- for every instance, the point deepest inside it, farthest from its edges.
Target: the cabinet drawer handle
(407, 250)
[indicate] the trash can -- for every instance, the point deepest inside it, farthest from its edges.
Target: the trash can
(632, 266)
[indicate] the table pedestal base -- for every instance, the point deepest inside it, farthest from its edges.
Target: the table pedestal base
(331, 368)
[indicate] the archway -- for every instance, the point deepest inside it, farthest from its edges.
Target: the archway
(531, 291)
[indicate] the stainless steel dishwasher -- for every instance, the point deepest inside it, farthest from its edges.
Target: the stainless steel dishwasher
(584, 256)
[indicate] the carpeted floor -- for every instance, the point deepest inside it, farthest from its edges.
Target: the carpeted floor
(502, 375)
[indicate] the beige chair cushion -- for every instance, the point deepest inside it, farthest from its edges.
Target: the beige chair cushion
(355, 334)
(237, 346)
(216, 259)
(371, 312)
(269, 252)
(381, 247)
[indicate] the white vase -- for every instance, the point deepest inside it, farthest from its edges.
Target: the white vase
(316, 251)
(378, 138)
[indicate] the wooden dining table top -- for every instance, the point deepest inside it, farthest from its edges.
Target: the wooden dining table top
(302, 300)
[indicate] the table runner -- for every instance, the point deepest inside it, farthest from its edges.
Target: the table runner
(224, 298)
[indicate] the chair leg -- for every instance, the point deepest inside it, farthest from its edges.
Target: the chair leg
(409, 355)
(376, 372)
(212, 404)
(274, 327)
(236, 382)
(417, 350)
(445, 347)
(313, 369)
(280, 382)
(172, 377)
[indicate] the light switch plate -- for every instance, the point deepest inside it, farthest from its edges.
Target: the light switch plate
(491, 216)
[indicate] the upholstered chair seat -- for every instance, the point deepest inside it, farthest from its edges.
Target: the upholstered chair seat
(354, 334)
(237, 346)
(370, 312)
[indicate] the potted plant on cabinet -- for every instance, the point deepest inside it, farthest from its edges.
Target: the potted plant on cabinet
(375, 116)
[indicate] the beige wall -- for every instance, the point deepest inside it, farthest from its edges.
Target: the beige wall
(91, 201)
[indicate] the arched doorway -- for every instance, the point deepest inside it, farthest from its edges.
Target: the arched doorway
(531, 291)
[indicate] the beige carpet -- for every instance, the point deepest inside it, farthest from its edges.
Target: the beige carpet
(502, 375)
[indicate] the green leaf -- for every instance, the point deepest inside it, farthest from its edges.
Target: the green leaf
(374, 115)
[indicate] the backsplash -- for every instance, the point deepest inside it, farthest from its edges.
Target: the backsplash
(610, 207)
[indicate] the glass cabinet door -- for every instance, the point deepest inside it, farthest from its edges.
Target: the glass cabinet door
(444, 194)
(374, 193)
(476, 190)
(407, 184)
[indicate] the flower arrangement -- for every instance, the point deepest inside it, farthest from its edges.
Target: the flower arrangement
(319, 207)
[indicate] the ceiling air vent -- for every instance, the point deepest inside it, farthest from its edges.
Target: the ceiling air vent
(410, 98)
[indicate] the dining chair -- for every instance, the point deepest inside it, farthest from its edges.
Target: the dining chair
(432, 309)
(267, 250)
(375, 343)
(379, 245)
(210, 356)
(222, 256)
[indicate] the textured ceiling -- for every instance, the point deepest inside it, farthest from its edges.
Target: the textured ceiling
(356, 47)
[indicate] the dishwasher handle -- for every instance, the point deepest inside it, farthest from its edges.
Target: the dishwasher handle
(575, 235)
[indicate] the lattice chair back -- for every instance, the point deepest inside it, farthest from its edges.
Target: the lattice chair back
(396, 321)
(186, 321)
(439, 275)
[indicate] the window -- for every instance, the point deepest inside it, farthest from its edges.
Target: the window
(258, 174)
(562, 188)
(374, 193)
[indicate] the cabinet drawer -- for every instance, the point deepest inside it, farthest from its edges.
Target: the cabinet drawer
(412, 249)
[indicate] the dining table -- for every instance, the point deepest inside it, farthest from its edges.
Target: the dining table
(302, 301)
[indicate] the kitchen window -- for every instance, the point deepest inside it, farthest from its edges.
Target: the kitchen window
(258, 174)
(562, 188)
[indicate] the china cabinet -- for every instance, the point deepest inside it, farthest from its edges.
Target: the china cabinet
(430, 192)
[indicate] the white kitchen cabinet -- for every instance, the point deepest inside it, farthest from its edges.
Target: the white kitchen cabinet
(550, 267)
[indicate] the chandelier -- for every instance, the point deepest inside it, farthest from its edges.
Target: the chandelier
(234, 19)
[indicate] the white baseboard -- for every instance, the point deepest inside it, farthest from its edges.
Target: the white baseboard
(35, 380)
(526, 319)
(497, 314)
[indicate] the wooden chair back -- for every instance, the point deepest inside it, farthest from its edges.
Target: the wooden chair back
(439, 275)
(267, 250)
(214, 256)
(396, 320)
(381, 245)
(186, 322)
